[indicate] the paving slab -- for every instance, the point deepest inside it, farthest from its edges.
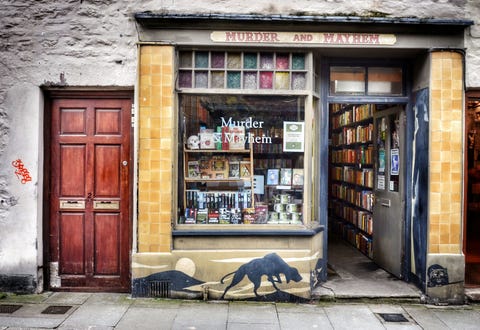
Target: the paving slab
(297, 319)
(68, 298)
(201, 315)
(253, 313)
(146, 318)
(90, 315)
(352, 316)
(29, 322)
(459, 318)
(106, 298)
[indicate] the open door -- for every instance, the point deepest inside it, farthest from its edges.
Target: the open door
(389, 190)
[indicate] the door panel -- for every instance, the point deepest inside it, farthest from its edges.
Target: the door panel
(90, 231)
(389, 207)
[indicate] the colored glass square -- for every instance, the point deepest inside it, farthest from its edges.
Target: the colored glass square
(250, 80)
(218, 79)
(250, 61)
(266, 61)
(233, 79)
(201, 59)
(266, 80)
(234, 61)
(298, 80)
(282, 61)
(218, 60)
(298, 61)
(185, 79)
(282, 80)
(185, 59)
(201, 79)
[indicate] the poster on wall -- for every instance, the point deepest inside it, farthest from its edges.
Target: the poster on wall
(395, 161)
(293, 136)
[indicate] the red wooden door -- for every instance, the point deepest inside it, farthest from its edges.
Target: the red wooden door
(90, 201)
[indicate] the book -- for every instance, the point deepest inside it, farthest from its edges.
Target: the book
(193, 169)
(297, 177)
(286, 176)
(234, 169)
(207, 139)
(219, 167)
(202, 215)
(236, 138)
(245, 169)
(273, 175)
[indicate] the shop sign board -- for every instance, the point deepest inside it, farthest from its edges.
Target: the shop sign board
(331, 38)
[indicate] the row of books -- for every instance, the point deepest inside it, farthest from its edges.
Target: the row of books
(360, 111)
(358, 239)
(362, 177)
(360, 198)
(277, 162)
(361, 155)
(349, 135)
(224, 138)
(357, 114)
(285, 177)
(224, 215)
(219, 167)
(218, 199)
(361, 219)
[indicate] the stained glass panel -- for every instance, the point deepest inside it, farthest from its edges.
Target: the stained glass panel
(218, 79)
(234, 61)
(185, 59)
(185, 79)
(233, 79)
(266, 80)
(201, 59)
(218, 60)
(283, 61)
(266, 61)
(250, 61)
(250, 80)
(201, 79)
(282, 80)
(298, 61)
(298, 80)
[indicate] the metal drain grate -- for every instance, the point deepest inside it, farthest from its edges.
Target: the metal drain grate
(9, 309)
(393, 317)
(56, 309)
(160, 289)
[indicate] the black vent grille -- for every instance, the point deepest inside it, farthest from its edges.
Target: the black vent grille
(159, 289)
(9, 309)
(56, 309)
(393, 317)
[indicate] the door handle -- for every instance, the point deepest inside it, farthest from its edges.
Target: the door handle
(386, 202)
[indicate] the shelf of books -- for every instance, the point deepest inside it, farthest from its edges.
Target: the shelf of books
(351, 174)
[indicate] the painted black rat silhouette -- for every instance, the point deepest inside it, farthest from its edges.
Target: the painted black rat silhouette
(270, 265)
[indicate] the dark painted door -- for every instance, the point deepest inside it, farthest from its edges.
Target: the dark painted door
(89, 198)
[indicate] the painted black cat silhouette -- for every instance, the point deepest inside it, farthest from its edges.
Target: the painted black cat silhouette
(270, 265)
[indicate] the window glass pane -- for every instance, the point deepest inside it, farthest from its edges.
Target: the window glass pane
(250, 80)
(201, 79)
(201, 59)
(218, 79)
(347, 80)
(266, 61)
(234, 61)
(282, 80)
(298, 61)
(233, 79)
(185, 59)
(218, 60)
(385, 81)
(185, 79)
(283, 61)
(216, 178)
(298, 80)
(250, 61)
(266, 80)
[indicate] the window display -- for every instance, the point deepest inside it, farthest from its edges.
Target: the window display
(235, 167)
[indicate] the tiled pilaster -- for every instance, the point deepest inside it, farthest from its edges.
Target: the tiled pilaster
(156, 132)
(446, 136)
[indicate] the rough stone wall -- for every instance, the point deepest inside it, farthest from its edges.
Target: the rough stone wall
(93, 43)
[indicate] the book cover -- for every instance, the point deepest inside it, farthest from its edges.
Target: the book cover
(225, 132)
(261, 213)
(193, 169)
(234, 169)
(207, 139)
(245, 169)
(202, 215)
(286, 176)
(219, 167)
(273, 175)
(297, 177)
(236, 138)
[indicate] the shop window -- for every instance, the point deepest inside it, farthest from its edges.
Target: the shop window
(242, 70)
(242, 156)
(358, 80)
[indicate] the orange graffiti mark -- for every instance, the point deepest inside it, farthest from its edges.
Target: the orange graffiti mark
(21, 172)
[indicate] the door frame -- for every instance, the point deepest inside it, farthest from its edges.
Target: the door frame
(50, 94)
(326, 99)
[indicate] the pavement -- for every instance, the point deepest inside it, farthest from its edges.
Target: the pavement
(120, 311)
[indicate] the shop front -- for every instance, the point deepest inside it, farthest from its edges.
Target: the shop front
(255, 145)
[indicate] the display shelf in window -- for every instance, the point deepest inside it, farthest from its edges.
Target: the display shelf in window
(351, 173)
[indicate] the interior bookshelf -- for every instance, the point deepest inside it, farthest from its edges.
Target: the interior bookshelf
(351, 174)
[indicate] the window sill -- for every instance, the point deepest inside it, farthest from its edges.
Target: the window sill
(246, 230)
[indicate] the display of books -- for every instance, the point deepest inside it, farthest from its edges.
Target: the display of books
(236, 138)
(245, 169)
(207, 139)
(194, 169)
(234, 169)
